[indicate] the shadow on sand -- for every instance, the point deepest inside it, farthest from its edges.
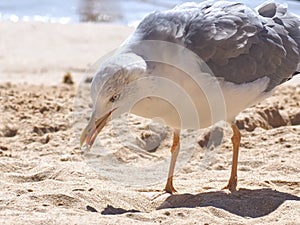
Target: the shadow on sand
(110, 210)
(244, 202)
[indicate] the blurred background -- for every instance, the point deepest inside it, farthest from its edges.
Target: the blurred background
(111, 11)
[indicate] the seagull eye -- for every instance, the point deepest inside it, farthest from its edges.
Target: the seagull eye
(114, 98)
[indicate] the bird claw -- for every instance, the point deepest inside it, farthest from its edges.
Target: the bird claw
(169, 186)
(170, 190)
(231, 186)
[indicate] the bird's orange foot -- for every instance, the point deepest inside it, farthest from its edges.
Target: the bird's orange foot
(169, 186)
(231, 186)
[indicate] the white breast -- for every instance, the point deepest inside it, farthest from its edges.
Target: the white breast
(183, 102)
(181, 89)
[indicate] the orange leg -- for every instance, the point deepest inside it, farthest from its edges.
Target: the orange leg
(236, 140)
(174, 151)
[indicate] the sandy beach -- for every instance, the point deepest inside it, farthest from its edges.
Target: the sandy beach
(46, 179)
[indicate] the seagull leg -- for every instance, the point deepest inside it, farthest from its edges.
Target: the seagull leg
(236, 140)
(174, 151)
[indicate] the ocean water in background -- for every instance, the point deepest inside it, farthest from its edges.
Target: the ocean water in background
(113, 11)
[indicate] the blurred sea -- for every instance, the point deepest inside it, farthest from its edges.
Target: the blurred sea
(112, 11)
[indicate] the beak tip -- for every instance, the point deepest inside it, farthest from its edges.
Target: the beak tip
(85, 147)
(81, 143)
(88, 136)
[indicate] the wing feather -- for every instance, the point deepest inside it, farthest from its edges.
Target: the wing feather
(238, 43)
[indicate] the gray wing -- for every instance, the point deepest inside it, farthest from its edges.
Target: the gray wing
(237, 43)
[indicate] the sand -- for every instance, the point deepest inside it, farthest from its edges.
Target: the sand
(47, 179)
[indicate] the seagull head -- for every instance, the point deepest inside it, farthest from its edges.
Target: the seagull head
(111, 88)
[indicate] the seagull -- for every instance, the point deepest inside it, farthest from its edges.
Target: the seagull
(194, 65)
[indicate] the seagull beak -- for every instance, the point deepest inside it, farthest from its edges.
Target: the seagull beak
(90, 133)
